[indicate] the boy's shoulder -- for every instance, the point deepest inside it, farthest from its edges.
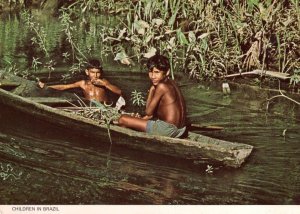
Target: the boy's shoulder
(165, 85)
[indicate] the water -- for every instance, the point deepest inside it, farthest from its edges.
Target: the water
(41, 164)
(82, 172)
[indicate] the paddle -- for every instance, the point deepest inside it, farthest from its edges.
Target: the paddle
(198, 127)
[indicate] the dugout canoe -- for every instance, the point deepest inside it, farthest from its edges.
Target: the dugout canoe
(195, 147)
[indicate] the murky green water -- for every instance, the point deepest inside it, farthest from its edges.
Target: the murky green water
(41, 164)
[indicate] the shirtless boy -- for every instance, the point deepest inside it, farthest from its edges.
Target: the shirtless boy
(94, 88)
(165, 103)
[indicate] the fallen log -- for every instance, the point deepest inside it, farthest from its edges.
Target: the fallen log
(49, 100)
(279, 75)
(8, 83)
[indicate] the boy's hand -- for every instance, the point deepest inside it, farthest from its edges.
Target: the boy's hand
(146, 117)
(100, 82)
(152, 88)
(135, 115)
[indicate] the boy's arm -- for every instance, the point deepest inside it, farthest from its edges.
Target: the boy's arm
(103, 82)
(156, 94)
(114, 88)
(146, 117)
(150, 95)
(62, 87)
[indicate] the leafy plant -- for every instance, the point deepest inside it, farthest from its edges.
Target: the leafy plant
(102, 113)
(206, 39)
(209, 169)
(6, 171)
(8, 69)
(35, 63)
(40, 36)
(295, 78)
(12, 68)
(137, 98)
(69, 30)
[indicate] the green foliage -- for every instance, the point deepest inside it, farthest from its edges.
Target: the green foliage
(137, 98)
(107, 114)
(216, 41)
(206, 39)
(209, 169)
(35, 63)
(75, 68)
(7, 171)
(69, 30)
(40, 37)
(295, 78)
(8, 69)
(12, 68)
(102, 113)
(92, 6)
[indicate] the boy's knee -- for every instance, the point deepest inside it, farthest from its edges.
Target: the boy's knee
(122, 120)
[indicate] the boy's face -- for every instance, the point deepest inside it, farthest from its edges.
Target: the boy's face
(156, 75)
(93, 73)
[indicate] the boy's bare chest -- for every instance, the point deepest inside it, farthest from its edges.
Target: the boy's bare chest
(93, 90)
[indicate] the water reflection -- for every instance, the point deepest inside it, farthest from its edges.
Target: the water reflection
(49, 159)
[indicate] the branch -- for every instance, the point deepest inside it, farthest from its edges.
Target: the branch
(279, 75)
(280, 95)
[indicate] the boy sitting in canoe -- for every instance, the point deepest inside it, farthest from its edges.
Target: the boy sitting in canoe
(165, 103)
(94, 88)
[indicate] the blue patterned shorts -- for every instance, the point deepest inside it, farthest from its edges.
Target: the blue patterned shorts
(159, 127)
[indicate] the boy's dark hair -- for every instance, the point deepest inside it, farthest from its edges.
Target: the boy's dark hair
(94, 63)
(158, 61)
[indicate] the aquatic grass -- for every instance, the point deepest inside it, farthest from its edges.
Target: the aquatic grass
(12, 4)
(12, 68)
(40, 39)
(76, 66)
(40, 35)
(107, 114)
(7, 171)
(69, 30)
(137, 98)
(83, 7)
(174, 7)
(209, 169)
(281, 95)
(295, 78)
(102, 113)
(35, 63)
(9, 38)
(231, 26)
(238, 35)
(8, 69)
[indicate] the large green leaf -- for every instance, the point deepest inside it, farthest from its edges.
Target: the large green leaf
(181, 37)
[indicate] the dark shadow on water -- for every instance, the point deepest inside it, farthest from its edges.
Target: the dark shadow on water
(26, 127)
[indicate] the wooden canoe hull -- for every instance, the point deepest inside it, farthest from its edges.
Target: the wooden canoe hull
(196, 147)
